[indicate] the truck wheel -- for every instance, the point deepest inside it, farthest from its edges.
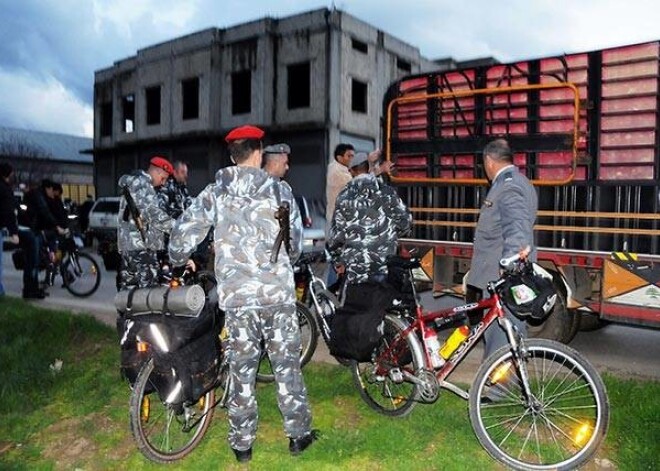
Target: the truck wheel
(561, 325)
(591, 322)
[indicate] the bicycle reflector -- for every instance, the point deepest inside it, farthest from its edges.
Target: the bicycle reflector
(529, 292)
(582, 434)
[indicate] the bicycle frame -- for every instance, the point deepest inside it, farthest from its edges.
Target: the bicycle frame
(494, 312)
(314, 287)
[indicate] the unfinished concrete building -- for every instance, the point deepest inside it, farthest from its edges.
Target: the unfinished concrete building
(312, 80)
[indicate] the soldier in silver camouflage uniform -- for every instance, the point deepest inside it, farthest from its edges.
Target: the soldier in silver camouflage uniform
(256, 294)
(173, 195)
(139, 257)
(369, 217)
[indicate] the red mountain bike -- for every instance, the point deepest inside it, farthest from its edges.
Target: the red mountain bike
(534, 404)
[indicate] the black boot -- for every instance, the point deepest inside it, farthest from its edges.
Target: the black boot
(298, 445)
(34, 294)
(243, 456)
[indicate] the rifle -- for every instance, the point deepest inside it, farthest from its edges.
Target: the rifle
(132, 209)
(284, 235)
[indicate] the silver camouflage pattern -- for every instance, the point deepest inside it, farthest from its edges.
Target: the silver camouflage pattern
(257, 296)
(156, 221)
(138, 268)
(279, 328)
(369, 218)
(174, 197)
(241, 207)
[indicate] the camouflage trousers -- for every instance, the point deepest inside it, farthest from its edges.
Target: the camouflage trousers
(138, 268)
(278, 327)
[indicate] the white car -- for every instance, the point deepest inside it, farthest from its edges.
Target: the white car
(103, 218)
(313, 226)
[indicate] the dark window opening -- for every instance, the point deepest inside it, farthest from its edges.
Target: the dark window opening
(403, 65)
(298, 85)
(190, 98)
(128, 113)
(241, 92)
(153, 105)
(359, 96)
(359, 46)
(106, 119)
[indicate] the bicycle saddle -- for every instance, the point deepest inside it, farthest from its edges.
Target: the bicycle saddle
(396, 261)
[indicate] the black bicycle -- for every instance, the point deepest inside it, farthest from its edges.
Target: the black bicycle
(165, 424)
(80, 273)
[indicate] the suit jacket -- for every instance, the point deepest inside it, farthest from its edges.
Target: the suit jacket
(505, 226)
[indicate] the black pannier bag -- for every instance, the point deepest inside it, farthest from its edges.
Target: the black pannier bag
(357, 326)
(192, 344)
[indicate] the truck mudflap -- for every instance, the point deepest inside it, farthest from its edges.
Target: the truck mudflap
(630, 290)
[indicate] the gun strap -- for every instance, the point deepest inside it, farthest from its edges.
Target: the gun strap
(129, 301)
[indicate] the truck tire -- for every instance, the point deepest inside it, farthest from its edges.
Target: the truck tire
(561, 325)
(591, 322)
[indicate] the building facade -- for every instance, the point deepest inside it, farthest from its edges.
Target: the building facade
(63, 158)
(312, 80)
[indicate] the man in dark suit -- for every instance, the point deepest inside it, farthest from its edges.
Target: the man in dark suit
(505, 227)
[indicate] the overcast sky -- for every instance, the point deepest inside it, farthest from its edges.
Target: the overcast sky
(49, 50)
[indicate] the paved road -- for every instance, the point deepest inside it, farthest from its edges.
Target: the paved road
(623, 350)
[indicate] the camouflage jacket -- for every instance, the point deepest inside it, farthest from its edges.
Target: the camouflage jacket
(368, 220)
(241, 207)
(174, 197)
(156, 221)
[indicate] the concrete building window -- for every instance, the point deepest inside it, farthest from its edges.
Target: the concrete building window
(106, 119)
(128, 113)
(152, 95)
(403, 65)
(298, 85)
(359, 46)
(241, 92)
(359, 96)
(190, 98)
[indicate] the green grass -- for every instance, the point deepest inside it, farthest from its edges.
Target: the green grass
(78, 418)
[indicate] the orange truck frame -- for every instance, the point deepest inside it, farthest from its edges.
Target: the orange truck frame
(585, 128)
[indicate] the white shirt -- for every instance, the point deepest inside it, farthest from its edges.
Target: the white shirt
(337, 178)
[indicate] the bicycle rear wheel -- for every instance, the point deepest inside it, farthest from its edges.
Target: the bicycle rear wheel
(309, 334)
(81, 274)
(559, 427)
(384, 390)
(166, 433)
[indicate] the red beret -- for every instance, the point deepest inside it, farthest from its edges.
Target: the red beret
(244, 132)
(162, 162)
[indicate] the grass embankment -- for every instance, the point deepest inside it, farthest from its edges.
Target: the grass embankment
(77, 418)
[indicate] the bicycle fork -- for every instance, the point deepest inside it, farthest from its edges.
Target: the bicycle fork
(515, 341)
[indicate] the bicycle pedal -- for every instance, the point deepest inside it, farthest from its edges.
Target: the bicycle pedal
(396, 375)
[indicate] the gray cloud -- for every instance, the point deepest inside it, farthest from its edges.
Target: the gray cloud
(50, 50)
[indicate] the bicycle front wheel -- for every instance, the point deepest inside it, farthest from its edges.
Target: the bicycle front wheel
(166, 433)
(309, 333)
(382, 383)
(81, 274)
(560, 425)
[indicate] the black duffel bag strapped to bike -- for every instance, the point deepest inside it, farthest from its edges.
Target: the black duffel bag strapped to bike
(357, 326)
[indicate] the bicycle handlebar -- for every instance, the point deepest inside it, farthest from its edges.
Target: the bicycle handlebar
(508, 263)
